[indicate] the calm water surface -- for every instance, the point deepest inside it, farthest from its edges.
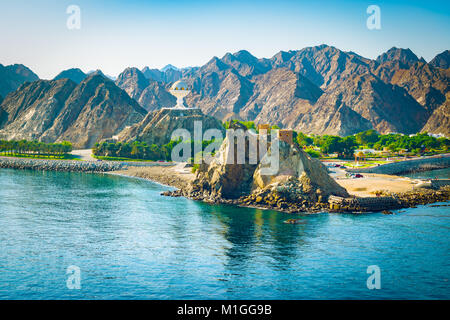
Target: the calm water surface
(130, 242)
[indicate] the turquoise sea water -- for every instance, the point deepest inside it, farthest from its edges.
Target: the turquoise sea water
(131, 243)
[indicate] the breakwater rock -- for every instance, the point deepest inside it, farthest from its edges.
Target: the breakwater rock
(389, 201)
(60, 165)
(408, 166)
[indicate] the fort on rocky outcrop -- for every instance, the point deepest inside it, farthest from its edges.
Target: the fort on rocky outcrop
(300, 183)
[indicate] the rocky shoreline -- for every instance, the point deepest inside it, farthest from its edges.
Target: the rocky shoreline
(59, 165)
(356, 205)
(265, 198)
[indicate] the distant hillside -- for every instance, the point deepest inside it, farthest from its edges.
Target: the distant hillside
(75, 74)
(442, 60)
(150, 94)
(11, 77)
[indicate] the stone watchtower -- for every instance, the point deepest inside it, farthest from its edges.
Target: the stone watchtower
(286, 135)
(264, 127)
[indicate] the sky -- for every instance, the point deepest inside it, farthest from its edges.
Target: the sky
(116, 34)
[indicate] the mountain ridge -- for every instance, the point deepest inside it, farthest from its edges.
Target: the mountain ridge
(318, 90)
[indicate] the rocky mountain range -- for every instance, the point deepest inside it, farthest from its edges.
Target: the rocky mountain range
(318, 90)
(59, 110)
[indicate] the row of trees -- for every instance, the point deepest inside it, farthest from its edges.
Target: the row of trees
(34, 147)
(141, 150)
(134, 150)
(346, 146)
(248, 124)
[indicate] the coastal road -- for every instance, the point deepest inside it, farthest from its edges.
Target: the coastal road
(84, 154)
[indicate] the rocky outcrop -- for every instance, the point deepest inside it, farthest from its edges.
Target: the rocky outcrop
(11, 77)
(157, 126)
(58, 110)
(74, 74)
(301, 183)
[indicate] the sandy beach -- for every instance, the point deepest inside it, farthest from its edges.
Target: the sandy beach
(174, 176)
(366, 186)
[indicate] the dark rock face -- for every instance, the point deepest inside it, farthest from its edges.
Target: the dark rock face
(425, 83)
(57, 110)
(439, 122)
(157, 126)
(442, 60)
(75, 74)
(11, 77)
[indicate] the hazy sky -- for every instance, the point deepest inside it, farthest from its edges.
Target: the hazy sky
(119, 34)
